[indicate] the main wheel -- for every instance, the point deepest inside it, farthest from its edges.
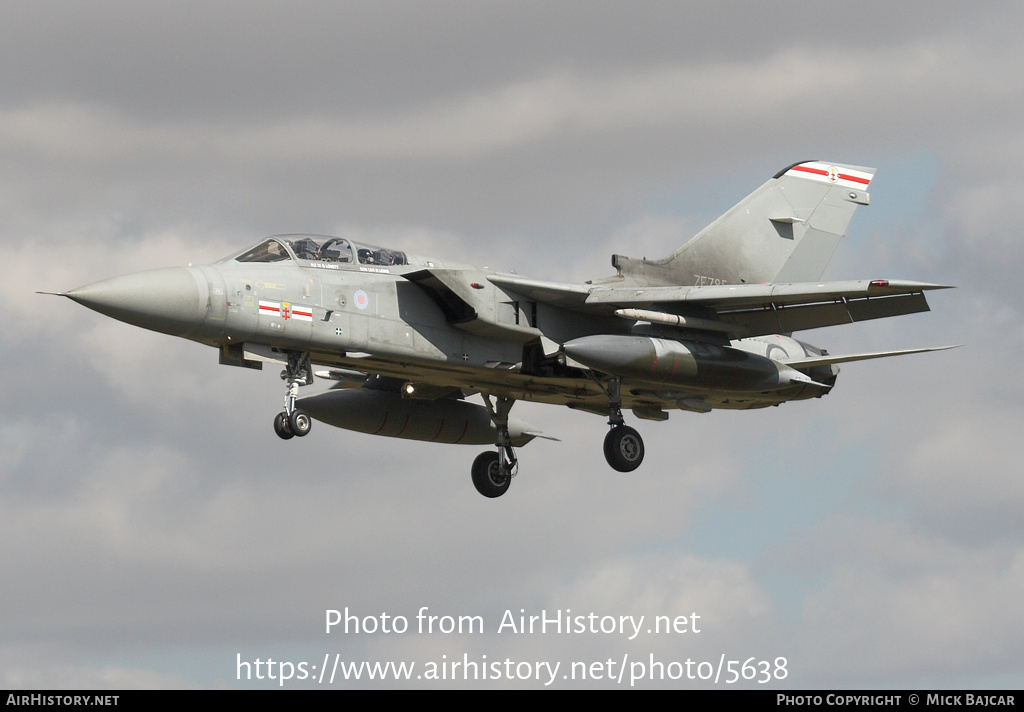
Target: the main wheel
(487, 476)
(281, 426)
(623, 448)
(299, 422)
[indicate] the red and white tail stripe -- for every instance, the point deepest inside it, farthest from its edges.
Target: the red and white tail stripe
(846, 176)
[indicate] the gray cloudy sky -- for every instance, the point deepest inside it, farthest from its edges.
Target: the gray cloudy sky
(153, 525)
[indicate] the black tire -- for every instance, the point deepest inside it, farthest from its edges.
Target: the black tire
(487, 477)
(299, 422)
(623, 448)
(282, 428)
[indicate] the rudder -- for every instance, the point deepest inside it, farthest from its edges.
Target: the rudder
(785, 231)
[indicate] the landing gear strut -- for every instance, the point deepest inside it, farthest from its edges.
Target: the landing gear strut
(623, 446)
(294, 421)
(493, 471)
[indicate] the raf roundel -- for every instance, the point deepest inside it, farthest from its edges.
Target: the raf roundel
(361, 299)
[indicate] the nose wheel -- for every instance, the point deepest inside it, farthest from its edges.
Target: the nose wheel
(292, 421)
(281, 427)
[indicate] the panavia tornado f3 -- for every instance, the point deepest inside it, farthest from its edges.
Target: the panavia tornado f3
(408, 339)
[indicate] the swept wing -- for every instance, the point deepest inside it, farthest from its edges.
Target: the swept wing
(737, 309)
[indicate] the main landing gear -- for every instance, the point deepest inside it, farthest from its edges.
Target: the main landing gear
(623, 446)
(493, 471)
(294, 421)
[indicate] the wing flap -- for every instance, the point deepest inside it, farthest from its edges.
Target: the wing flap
(782, 319)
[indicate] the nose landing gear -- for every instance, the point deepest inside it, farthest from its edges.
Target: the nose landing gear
(294, 421)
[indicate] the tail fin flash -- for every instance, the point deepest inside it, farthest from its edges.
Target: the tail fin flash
(785, 231)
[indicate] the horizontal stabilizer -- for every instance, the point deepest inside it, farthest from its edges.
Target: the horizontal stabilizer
(827, 360)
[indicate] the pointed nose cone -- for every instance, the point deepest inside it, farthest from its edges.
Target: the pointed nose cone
(172, 300)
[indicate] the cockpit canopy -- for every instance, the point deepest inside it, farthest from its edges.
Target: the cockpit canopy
(321, 248)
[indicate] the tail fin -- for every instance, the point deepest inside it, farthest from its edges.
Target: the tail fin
(785, 231)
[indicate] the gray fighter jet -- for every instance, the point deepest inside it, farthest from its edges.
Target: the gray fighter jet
(407, 339)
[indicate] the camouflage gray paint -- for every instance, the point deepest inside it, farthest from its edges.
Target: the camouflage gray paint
(707, 327)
